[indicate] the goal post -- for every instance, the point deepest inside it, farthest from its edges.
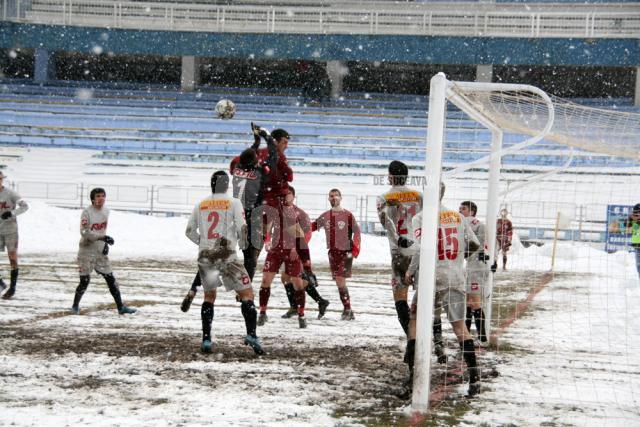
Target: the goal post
(525, 115)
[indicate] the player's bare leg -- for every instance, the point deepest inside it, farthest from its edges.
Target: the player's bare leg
(13, 261)
(265, 294)
(206, 314)
(343, 291)
(250, 315)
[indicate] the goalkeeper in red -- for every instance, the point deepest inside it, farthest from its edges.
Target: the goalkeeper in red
(217, 225)
(343, 242)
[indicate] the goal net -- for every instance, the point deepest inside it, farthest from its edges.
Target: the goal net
(561, 308)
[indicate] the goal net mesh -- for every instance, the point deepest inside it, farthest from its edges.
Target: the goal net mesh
(566, 346)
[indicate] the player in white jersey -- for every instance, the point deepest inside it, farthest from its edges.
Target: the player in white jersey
(93, 250)
(217, 225)
(11, 205)
(455, 241)
(396, 209)
(477, 272)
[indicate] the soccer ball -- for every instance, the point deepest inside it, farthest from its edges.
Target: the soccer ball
(225, 109)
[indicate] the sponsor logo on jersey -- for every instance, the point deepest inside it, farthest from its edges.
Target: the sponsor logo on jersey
(245, 174)
(341, 225)
(4, 205)
(215, 205)
(450, 217)
(402, 197)
(99, 226)
(418, 232)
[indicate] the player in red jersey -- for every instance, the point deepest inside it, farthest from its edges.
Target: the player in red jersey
(284, 227)
(343, 242)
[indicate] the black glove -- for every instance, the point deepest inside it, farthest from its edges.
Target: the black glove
(264, 133)
(105, 249)
(403, 242)
(483, 257)
(108, 240)
(6, 215)
(494, 267)
(255, 129)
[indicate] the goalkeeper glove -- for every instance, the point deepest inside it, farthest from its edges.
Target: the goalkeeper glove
(6, 215)
(108, 240)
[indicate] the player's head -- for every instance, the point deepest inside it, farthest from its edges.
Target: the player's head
(636, 210)
(290, 196)
(248, 158)
(504, 213)
(219, 182)
(282, 139)
(442, 188)
(398, 173)
(468, 208)
(97, 196)
(335, 197)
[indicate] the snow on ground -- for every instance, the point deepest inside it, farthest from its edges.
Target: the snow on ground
(572, 359)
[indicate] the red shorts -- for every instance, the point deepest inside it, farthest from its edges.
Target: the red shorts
(340, 263)
(276, 257)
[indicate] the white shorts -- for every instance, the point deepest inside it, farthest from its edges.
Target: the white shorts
(89, 262)
(228, 271)
(476, 281)
(453, 301)
(10, 241)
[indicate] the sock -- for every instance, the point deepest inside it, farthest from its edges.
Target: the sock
(437, 331)
(468, 318)
(469, 353)
(206, 313)
(14, 279)
(82, 287)
(249, 313)
(402, 308)
(196, 282)
(479, 315)
(299, 297)
(113, 288)
(504, 262)
(288, 287)
(251, 260)
(344, 297)
(410, 352)
(265, 293)
(313, 292)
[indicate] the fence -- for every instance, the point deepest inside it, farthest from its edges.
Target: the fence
(433, 19)
(534, 222)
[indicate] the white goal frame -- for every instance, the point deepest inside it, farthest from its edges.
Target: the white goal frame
(441, 91)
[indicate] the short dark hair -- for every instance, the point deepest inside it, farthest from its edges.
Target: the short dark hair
(335, 190)
(471, 206)
(248, 158)
(398, 172)
(280, 133)
(219, 182)
(293, 190)
(636, 208)
(95, 192)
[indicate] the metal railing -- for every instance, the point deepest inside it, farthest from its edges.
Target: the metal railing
(532, 221)
(432, 19)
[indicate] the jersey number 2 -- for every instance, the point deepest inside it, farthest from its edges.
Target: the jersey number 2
(213, 218)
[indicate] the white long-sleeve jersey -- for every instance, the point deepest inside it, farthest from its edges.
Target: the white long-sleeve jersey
(216, 217)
